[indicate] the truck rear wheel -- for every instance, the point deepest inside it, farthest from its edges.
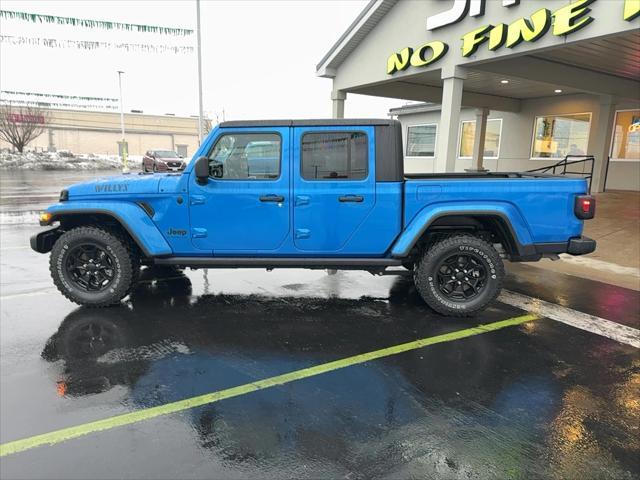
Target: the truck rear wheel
(459, 276)
(92, 266)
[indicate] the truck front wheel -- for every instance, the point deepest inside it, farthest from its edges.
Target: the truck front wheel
(459, 275)
(92, 266)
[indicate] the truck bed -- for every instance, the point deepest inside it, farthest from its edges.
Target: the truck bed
(538, 206)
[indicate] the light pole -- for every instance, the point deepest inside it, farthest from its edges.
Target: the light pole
(125, 160)
(200, 115)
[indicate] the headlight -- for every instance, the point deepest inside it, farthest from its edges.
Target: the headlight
(45, 218)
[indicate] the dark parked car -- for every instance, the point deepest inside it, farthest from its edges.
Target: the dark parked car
(162, 161)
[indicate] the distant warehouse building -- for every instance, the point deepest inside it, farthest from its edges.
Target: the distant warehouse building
(84, 131)
(506, 85)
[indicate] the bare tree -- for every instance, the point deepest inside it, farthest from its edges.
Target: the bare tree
(21, 125)
(206, 127)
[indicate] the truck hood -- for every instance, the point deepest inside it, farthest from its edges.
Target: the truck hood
(119, 185)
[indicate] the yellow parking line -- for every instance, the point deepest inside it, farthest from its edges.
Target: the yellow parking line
(57, 436)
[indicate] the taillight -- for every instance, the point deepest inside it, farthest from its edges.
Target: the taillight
(585, 207)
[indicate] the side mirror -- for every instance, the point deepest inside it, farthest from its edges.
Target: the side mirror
(202, 170)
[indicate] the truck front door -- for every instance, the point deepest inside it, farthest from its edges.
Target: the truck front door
(334, 187)
(244, 207)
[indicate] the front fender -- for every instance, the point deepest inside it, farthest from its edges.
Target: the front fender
(425, 217)
(130, 215)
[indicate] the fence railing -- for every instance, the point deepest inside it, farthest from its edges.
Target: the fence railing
(578, 165)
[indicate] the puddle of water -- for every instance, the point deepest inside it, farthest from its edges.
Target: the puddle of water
(24, 194)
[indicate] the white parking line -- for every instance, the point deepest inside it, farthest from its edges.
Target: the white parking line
(583, 321)
(600, 265)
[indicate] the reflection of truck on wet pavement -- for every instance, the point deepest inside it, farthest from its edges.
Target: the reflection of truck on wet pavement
(328, 194)
(166, 345)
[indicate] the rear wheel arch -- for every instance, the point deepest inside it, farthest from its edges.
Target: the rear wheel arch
(492, 227)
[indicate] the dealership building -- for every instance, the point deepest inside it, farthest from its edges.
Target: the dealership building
(507, 85)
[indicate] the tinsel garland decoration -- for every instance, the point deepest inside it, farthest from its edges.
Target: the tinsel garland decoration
(4, 101)
(55, 95)
(88, 23)
(91, 45)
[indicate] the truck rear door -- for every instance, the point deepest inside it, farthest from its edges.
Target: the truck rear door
(334, 186)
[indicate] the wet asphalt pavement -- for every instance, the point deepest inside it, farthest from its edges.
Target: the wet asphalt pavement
(539, 400)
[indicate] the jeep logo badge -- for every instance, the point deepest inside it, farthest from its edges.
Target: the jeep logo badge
(174, 232)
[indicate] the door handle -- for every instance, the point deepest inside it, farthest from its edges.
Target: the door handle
(351, 198)
(272, 198)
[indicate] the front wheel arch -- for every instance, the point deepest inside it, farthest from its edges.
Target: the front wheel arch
(106, 220)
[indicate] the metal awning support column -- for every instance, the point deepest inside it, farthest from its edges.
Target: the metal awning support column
(447, 140)
(337, 100)
(600, 140)
(479, 139)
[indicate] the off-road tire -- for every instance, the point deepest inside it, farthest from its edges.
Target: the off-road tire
(425, 275)
(126, 265)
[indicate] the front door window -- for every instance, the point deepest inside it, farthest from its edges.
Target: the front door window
(246, 156)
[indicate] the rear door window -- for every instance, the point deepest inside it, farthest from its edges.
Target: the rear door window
(334, 156)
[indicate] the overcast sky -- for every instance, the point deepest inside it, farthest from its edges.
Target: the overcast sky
(259, 57)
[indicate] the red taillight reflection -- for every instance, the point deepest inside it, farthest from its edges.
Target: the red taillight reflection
(586, 206)
(61, 387)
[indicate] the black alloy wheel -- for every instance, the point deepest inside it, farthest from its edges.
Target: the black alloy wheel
(90, 267)
(461, 277)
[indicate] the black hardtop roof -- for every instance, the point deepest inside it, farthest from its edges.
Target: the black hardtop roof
(324, 122)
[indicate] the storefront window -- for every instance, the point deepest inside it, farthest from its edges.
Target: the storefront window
(556, 136)
(421, 140)
(625, 144)
(491, 139)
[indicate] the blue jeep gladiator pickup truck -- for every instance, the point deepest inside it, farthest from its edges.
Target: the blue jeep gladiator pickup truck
(325, 194)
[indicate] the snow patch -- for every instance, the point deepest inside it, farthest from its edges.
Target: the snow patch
(29, 217)
(64, 160)
(600, 265)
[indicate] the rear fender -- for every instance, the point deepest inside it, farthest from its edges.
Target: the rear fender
(425, 217)
(129, 215)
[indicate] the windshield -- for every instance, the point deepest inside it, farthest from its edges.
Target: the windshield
(166, 154)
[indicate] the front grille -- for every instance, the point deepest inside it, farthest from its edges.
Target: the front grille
(174, 164)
